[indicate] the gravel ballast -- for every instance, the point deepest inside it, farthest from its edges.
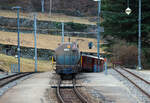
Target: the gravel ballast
(133, 90)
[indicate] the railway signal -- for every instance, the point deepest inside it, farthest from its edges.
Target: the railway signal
(90, 45)
(128, 10)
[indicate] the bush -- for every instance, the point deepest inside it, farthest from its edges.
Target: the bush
(126, 54)
(146, 52)
(77, 26)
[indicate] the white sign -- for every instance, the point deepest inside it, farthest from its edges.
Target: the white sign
(66, 49)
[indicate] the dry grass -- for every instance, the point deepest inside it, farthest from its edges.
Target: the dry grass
(27, 65)
(45, 41)
(45, 16)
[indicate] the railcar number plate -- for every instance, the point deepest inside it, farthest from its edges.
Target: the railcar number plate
(66, 49)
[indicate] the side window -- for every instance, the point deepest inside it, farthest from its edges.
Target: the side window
(89, 60)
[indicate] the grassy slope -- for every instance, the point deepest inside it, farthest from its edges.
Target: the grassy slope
(46, 17)
(27, 65)
(44, 41)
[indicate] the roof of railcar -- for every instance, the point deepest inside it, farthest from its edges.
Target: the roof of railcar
(93, 56)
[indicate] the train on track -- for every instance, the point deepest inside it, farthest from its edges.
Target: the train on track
(69, 60)
(67, 57)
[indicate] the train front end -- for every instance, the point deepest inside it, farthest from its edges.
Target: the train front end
(67, 58)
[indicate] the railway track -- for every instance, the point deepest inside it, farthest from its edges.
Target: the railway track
(136, 80)
(11, 78)
(2, 71)
(69, 94)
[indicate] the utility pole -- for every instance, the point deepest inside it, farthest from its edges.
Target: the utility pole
(98, 33)
(139, 37)
(62, 32)
(35, 43)
(128, 11)
(98, 28)
(42, 4)
(18, 23)
(50, 7)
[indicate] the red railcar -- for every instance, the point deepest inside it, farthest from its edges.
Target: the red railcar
(91, 63)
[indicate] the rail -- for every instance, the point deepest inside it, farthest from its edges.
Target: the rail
(58, 93)
(8, 79)
(136, 76)
(76, 92)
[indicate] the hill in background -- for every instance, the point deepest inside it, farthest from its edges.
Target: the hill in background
(69, 7)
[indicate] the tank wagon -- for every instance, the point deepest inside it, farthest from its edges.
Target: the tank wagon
(67, 58)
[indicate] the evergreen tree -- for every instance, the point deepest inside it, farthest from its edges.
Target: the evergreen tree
(120, 25)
